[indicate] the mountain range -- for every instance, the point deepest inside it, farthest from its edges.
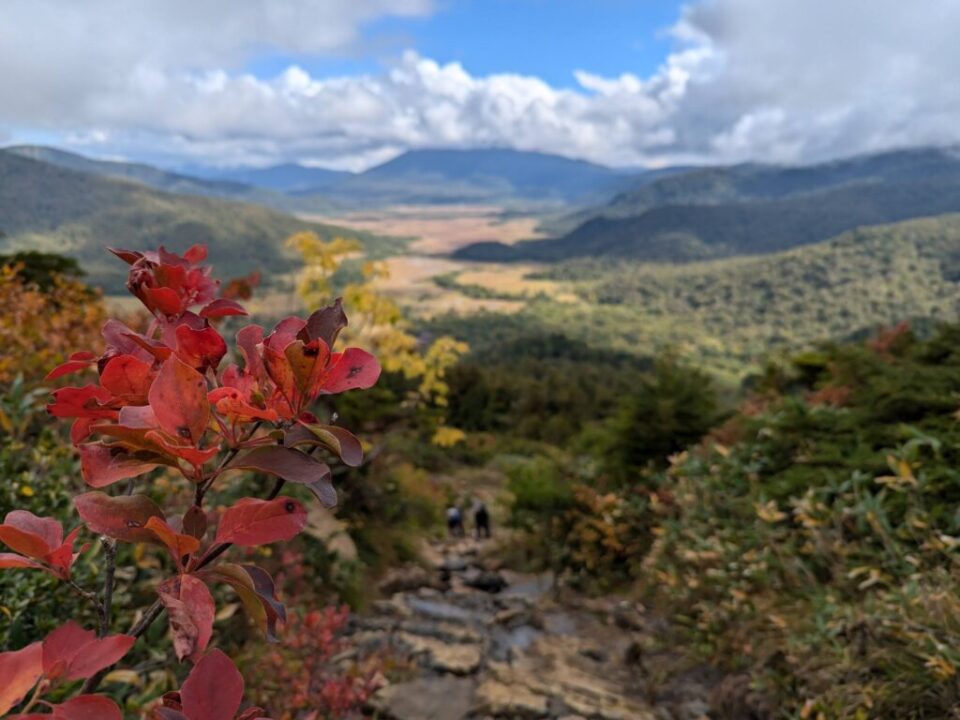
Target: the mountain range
(487, 176)
(748, 209)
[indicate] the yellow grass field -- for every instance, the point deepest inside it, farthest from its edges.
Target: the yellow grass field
(439, 230)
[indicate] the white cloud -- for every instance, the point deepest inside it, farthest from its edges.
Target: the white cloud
(776, 80)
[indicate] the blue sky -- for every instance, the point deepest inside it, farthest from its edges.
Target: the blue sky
(549, 39)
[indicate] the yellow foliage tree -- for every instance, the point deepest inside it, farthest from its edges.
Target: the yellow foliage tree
(377, 322)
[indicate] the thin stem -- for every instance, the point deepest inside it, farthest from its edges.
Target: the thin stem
(204, 485)
(110, 552)
(152, 613)
(85, 594)
(155, 610)
(35, 698)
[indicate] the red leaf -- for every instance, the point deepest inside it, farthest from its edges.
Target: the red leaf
(230, 403)
(123, 517)
(179, 545)
(191, 454)
(19, 671)
(82, 402)
(13, 561)
(178, 397)
(195, 522)
(214, 689)
(165, 713)
(353, 369)
(202, 349)
(163, 299)
(72, 653)
(279, 369)
(326, 323)
(251, 522)
(337, 439)
(195, 254)
(256, 591)
(308, 362)
(87, 707)
(30, 535)
(293, 466)
(128, 256)
(248, 340)
(61, 559)
(78, 361)
(191, 610)
(222, 308)
(102, 465)
(126, 376)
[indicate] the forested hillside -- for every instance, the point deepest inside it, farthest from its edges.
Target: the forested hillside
(678, 233)
(49, 208)
(729, 313)
(148, 175)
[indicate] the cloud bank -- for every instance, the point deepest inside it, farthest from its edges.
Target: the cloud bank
(774, 80)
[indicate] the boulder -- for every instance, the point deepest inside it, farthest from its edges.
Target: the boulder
(512, 701)
(431, 698)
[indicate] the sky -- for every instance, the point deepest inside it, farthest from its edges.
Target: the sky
(351, 83)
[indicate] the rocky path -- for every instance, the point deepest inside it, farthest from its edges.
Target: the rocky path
(485, 644)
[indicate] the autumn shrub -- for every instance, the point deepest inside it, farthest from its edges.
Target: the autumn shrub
(42, 324)
(304, 676)
(816, 555)
(169, 436)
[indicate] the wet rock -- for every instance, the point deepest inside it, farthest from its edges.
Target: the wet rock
(511, 701)
(431, 698)
(506, 643)
(487, 581)
(509, 615)
(441, 610)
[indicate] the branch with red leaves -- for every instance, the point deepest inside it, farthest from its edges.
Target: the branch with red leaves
(164, 399)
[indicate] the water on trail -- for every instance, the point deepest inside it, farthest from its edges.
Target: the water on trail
(477, 650)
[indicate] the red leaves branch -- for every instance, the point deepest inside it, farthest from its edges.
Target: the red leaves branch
(162, 399)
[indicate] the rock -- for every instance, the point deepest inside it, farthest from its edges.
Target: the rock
(487, 581)
(454, 563)
(693, 710)
(508, 615)
(595, 654)
(633, 657)
(406, 579)
(513, 701)
(627, 617)
(431, 698)
(447, 632)
(454, 658)
(394, 607)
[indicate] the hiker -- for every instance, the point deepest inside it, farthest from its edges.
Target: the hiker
(481, 519)
(454, 521)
